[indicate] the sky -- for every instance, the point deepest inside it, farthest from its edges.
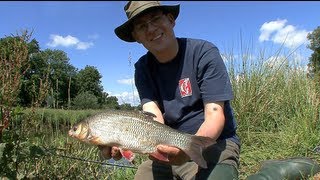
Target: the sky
(85, 31)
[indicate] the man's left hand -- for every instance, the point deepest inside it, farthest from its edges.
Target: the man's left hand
(175, 155)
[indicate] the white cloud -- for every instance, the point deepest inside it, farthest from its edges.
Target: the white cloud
(295, 60)
(298, 59)
(68, 41)
(126, 81)
(93, 36)
(127, 97)
(84, 45)
(280, 33)
(276, 61)
(269, 27)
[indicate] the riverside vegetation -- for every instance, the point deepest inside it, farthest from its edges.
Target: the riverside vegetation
(276, 106)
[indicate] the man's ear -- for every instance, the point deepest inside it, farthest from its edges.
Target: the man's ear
(171, 19)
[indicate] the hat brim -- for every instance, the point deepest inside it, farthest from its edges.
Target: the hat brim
(124, 31)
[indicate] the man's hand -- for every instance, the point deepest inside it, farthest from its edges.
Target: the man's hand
(107, 152)
(175, 155)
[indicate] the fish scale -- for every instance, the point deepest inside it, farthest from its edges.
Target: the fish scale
(139, 133)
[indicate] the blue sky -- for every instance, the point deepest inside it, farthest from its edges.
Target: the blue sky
(85, 31)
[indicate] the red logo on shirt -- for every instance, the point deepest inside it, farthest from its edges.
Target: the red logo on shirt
(185, 87)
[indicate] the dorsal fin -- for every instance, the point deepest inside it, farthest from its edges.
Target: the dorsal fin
(149, 114)
(134, 114)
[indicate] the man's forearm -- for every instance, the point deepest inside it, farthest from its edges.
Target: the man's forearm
(214, 121)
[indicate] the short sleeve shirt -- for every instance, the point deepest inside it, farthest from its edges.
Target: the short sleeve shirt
(181, 87)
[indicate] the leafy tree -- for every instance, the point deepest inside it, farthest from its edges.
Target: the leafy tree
(314, 60)
(13, 65)
(60, 73)
(88, 80)
(26, 94)
(33, 47)
(126, 106)
(112, 102)
(85, 100)
(52, 65)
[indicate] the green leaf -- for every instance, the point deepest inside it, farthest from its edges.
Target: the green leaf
(2, 146)
(36, 151)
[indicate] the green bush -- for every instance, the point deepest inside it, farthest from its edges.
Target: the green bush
(85, 100)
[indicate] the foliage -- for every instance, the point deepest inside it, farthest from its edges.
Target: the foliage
(111, 102)
(21, 155)
(60, 74)
(52, 67)
(276, 107)
(13, 65)
(89, 80)
(85, 100)
(16, 150)
(314, 60)
(126, 106)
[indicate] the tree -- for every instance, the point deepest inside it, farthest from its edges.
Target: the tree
(60, 73)
(26, 96)
(53, 66)
(112, 102)
(314, 60)
(126, 106)
(33, 47)
(88, 80)
(85, 100)
(13, 65)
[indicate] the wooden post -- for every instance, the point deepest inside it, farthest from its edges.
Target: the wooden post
(69, 99)
(57, 100)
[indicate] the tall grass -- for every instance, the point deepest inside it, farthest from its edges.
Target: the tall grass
(276, 106)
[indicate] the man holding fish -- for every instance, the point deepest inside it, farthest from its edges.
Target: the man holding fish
(184, 83)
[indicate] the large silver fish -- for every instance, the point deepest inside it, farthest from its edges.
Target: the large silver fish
(139, 133)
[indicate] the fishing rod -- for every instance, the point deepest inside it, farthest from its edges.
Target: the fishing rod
(91, 161)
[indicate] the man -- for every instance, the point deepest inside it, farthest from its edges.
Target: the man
(184, 82)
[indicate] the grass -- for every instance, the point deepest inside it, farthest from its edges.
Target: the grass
(277, 110)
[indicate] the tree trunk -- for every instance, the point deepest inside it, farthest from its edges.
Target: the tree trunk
(1, 131)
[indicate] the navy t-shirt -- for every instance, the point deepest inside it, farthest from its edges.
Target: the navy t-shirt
(197, 75)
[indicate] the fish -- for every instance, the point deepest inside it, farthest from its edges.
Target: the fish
(138, 132)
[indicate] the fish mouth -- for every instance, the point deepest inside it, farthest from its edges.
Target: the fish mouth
(70, 133)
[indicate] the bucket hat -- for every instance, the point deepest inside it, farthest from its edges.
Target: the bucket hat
(134, 9)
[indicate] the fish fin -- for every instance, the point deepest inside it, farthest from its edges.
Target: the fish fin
(127, 154)
(198, 144)
(149, 114)
(160, 156)
(95, 140)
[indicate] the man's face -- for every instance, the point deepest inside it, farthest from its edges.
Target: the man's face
(154, 30)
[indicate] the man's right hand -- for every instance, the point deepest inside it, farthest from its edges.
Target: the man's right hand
(107, 152)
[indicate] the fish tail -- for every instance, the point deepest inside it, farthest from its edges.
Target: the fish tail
(198, 144)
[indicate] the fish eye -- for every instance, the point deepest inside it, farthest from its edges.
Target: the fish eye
(75, 128)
